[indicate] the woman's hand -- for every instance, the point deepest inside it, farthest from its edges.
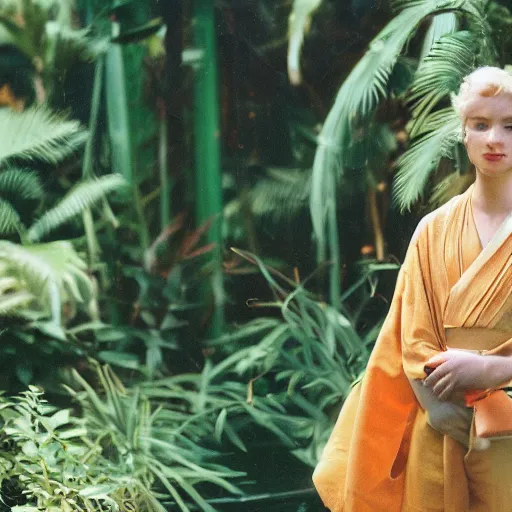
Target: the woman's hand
(447, 417)
(460, 370)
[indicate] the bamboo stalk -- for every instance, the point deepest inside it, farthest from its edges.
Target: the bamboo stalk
(87, 167)
(165, 186)
(376, 224)
(207, 149)
(117, 109)
(123, 158)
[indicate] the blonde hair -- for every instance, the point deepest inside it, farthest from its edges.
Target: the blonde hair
(486, 81)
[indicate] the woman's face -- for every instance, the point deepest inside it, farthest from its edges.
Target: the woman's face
(488, 137)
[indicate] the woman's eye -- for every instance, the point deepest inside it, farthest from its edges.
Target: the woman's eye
(508, 127)
(480, 126)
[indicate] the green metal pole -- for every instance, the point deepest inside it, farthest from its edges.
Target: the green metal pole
(207, 146)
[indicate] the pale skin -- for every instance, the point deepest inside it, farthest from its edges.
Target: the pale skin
(488, 141)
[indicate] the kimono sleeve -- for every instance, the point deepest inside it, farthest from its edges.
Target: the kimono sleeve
(420, 336)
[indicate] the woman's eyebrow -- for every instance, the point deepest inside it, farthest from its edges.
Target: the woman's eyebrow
(482, 118)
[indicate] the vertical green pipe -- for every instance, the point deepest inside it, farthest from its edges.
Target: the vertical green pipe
(207, 145)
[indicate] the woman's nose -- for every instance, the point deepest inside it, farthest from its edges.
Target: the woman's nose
(495, 136)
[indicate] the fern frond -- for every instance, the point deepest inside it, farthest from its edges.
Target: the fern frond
(35, 273)
(12, 304)
(35, 15)
(38, 134)
(281, 195)
(16, 184)
(45, 271)
(441, 25)
(70, 45)
(66, 266)
(442, 71)
(16, 34)
(440, 132)
(10, 221)
(75, 202)
(401, 5)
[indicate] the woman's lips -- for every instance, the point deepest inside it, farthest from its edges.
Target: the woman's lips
(493, 157)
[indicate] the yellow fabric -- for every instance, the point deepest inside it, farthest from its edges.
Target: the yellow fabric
(382, 455)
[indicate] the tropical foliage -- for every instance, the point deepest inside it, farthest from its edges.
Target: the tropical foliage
(110, 283)
(112, 457)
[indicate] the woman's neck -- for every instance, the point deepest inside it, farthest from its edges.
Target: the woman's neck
(493, 195)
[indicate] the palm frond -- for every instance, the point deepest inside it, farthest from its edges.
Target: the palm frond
(16, 184)
(442, 71)
(441, 25)
(69, 45)
(364, 88)
(53, 273)
(83, 196)
(37, 134)
(13, 32)
(282, 194)
(441, 130)
(399, 5)
(10, 221)
(35, 15)
(298, 23)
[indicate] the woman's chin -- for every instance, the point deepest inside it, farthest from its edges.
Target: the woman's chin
(494, 171)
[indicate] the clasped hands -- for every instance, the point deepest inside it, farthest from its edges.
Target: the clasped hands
(456, 371)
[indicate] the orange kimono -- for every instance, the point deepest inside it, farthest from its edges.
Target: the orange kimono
(382, 455)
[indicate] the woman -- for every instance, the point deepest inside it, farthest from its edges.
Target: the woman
(452, 310)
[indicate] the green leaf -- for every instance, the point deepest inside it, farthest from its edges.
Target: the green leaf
(233, 437)
(121, 359)
(219, 425)
(18, 183)
(37, 134)
(24, 372)
(10, 221)
(451, 58)
(12, 304)
(60, 418)
(421, 159)
(83, 196)
(52, 330)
